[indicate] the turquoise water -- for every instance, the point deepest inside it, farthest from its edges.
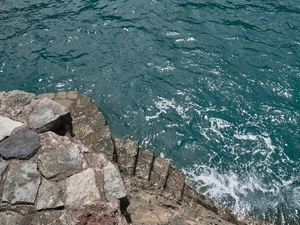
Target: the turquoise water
(213, 85)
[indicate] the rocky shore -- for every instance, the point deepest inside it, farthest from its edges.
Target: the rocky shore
(59, 164)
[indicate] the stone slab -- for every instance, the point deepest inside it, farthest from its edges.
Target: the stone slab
(22, 145)
(46, 95)
(46, 115)
(3, 166)
(81, 189)
(53, 217)
(72, 95)
(113, 184)
(7, 126)
(144, 163)
(48, 196)
(14, 102)
(175, 182)
(21, 184)
(127, 151)
(60, 163)
(160, 172)
(10, 218)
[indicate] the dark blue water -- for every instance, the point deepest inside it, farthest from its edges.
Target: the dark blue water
(213, 85)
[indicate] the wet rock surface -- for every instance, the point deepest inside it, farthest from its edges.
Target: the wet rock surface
(70, 180)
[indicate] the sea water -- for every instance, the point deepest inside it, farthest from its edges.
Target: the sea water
(212, 85)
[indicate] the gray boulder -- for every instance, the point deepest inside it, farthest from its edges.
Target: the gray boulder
(3, 166)
(22, 145)
(113, 183)
(47, 115)
(14, 102)
(22, 184)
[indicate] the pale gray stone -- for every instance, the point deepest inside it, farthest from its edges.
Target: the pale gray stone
(7, 126)
(48, 196)
(54, 217)
(21, 184)
(113, 183)
(3, 166)
(10, 218)
(60, 163)
(81, 189)
(14, 102)
(22, 145)
(47, 115)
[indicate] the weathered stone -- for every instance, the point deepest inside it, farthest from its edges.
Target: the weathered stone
(144, 163)
(72, 95)
(14, 102)
(107, 148)
(21, 184)
(7, 126)
(68, 104)
(82, 129)
(160, 172)
(46, 95)
(61, 95)
(97, 121)
(189, 194)
(53, 217)
(175, 182)
(113, 183)
(22, 145)
(10, 218)
(127, 151)
(47, 115)
(48, 196)
(3, 166)
(81, 189)
(60, 163)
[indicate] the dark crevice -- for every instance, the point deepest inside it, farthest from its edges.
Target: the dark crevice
(124, 203)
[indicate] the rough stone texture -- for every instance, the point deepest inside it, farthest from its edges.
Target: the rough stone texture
(7, 126)
(48, 196)
(60, 163)
(61, 217)
(47, 115)
(22, 145)
(22, 184)
(113, 183)
(81, 189)
(10, 218)
(160, 172)
(72, 95)
(46, 95)
(175, 182)
(14, 102)
(144, 163)
(3, 166)
(127, 151)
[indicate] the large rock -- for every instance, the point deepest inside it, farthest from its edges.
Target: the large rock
(175, 182)
(21, 184)
(127, 151)
(48, 196)
(14, 102)
(3, 166)
(7, 126)
(22, 145)
(47, 115)
(144, 163)
(160, 172)
(60, 163)
(61, 217)
(113, 183)
(10, 217)
(81, 189)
